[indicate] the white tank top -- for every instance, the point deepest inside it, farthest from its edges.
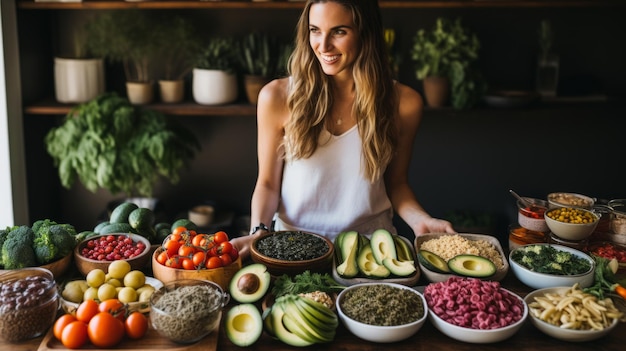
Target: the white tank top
(328, 194)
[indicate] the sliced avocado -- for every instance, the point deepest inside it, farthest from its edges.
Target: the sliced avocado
(404, 250)
(250, 283)
(243, 324)
(472, 266)
(368, 266)
(383, 245)
(349, 250)
(399, 268)
(433, 262)
(281, 332)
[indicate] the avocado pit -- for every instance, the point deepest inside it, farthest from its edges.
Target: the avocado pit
(248, 283)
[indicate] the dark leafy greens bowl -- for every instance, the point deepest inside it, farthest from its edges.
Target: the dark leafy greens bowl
(547, 265)
(292, 252)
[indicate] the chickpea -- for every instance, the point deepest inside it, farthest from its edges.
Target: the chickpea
(571, 215)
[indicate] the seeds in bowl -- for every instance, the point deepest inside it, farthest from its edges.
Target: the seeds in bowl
(571, 215)
(449, 246)
(380, 304)
(292, 246)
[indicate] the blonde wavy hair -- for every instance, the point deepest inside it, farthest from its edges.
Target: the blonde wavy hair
(311, 97)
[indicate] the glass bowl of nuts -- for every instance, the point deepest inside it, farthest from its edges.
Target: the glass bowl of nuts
(28, 303)
(571, 223)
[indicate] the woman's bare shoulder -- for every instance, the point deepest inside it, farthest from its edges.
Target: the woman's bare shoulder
(410, 101)
(274, 92)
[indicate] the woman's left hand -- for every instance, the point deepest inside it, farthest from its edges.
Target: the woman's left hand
(433, 225)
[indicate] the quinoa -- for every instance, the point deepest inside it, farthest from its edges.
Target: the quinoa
(448, 246)
(384, 305)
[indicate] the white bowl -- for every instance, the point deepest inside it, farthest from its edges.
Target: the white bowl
(564, 333)
(479, 336)
(377, 333)
(562, 199)
(537, 280)
(572, 231)
(440, 277)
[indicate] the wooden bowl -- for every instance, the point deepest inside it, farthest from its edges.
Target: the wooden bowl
(278, 267)
(86, 265)
(221, 276)
(57, 268)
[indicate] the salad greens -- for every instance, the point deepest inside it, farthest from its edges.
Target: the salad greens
(305, 282)
(549, 260)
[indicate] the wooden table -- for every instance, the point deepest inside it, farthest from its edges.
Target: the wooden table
(428, 338)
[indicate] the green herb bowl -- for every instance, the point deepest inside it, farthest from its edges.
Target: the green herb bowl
(538, 280)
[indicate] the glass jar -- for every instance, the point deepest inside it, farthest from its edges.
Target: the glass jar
(618, 216)
(519, 236)
(578, 244)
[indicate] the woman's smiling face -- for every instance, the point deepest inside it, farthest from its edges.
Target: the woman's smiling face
(333, 37)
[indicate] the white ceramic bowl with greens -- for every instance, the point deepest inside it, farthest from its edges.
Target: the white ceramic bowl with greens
(538, 280)
(378, 333)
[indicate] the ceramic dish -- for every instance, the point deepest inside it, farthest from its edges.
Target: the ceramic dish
(558, 332)
(439, 277)
(408, 281)
(141, 306)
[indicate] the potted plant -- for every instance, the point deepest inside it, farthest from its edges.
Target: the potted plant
(108, 143)
(78, 75)
(444, 57)
(179, 44)
(129, 37)
(258, 54)
(214, 79)
(547, 62)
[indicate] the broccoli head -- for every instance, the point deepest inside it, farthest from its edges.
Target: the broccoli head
(52, 241)
(17, 250)
(4, 233)
(562, 256)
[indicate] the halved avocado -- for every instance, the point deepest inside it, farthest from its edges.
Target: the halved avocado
(368, 266)
(399, 268)
(383, 245)
(472, 266)
(244, 324)
(433, 262)
(250, 283)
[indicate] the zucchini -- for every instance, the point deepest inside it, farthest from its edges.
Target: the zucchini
(121, 212)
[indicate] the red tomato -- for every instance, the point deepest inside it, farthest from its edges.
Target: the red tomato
(171, 246)
(162, 257)
(86, 310)
(187, 263)
(178, 231)
(114, 307)
(225, 247)
(221, 237)
(226, 259)
(136, 325)
(199, 258)
(186, 250)
(173, 262)
(234, 254)
(213, 262)
(61, 323)
(75, 335)
(104, 330)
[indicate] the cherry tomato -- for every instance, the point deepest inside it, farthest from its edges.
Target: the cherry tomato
(187, 263)
(61, 323)
(213, 262)
(226, 259)
(75, 335)
(221, 237)
(104, 330)
(173, 262)
(179, 231)
(114, 307)
(198, 259)
(186, 250)
(136, 325)
(162, 257)
(202, 240)
(234, 254)
(171, 246)
(225, 247)
(86, 310)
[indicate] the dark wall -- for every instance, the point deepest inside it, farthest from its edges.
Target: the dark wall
(462, 159)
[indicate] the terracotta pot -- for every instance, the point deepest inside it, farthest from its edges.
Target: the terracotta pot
(172, 91)
(140, 93)
(437, 91)
(253, 85)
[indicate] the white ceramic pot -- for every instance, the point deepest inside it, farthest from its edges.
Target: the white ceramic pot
(213, 87)
(78, 80)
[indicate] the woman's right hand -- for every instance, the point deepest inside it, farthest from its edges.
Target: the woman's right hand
(242, 244)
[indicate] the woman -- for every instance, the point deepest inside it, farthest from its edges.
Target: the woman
(335, 137)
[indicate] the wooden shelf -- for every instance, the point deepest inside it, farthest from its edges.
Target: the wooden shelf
(284, 4)
(51, 107)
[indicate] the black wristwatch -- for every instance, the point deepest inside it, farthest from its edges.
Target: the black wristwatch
(261, 226)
